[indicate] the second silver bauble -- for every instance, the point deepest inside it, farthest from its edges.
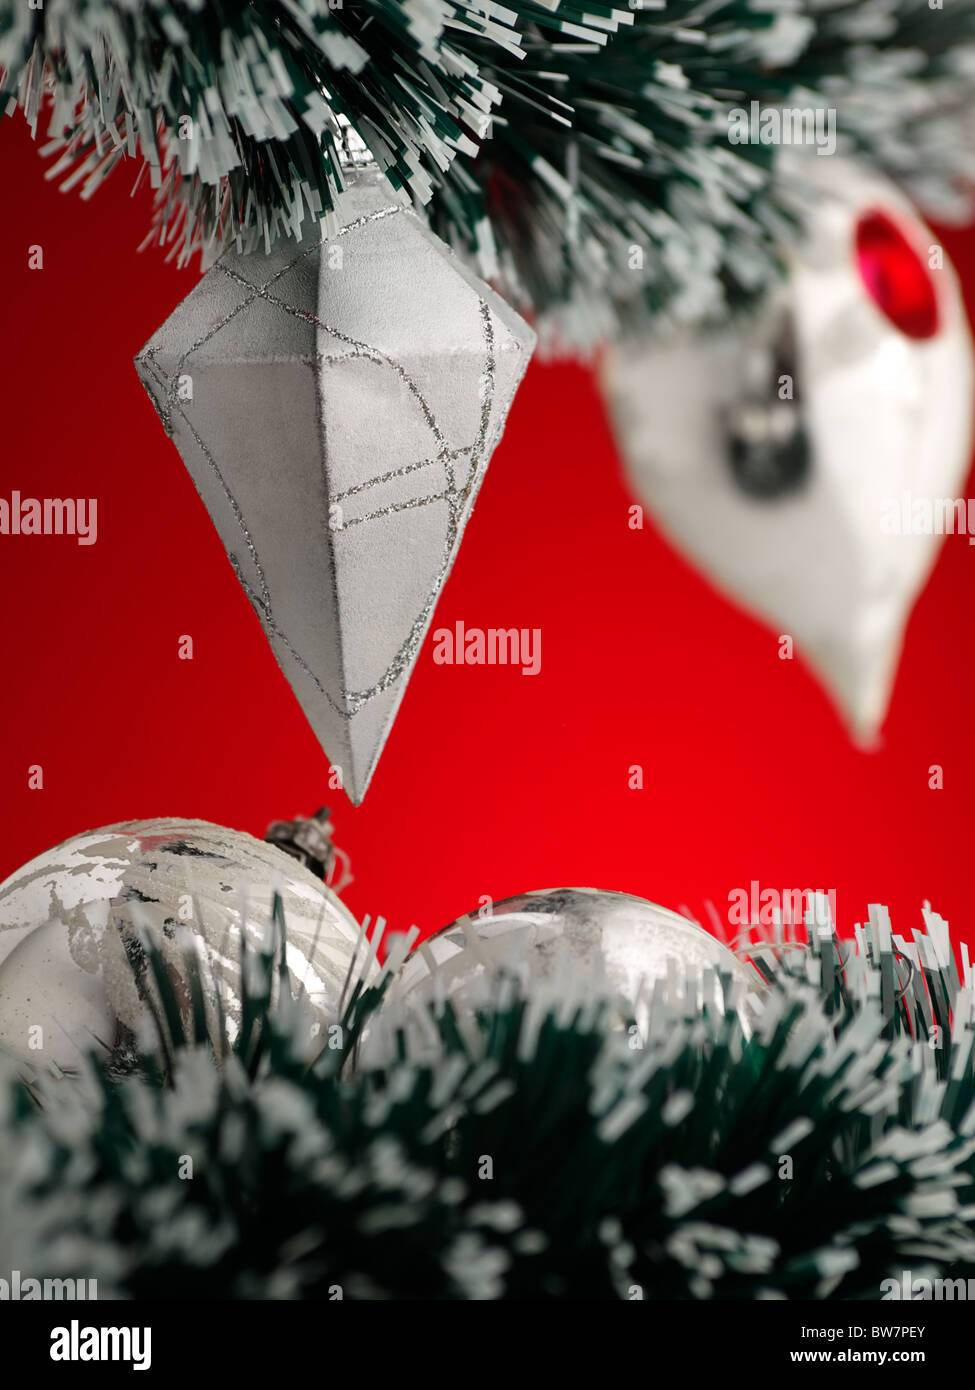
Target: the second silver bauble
(576, 941)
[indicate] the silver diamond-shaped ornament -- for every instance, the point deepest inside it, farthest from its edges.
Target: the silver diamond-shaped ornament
(336, 403)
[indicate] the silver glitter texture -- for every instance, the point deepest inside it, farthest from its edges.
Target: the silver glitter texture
(336, 404)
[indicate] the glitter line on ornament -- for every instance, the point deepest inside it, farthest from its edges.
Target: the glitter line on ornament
(399, 473)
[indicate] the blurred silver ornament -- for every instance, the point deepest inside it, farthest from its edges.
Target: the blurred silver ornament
(336, 403)
(73, 973)
(778, 454)
(568, 945)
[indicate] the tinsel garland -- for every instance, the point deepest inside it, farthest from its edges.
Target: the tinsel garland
(579, 154)
(533, 1152)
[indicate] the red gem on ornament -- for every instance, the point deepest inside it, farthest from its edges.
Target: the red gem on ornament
(896, 278)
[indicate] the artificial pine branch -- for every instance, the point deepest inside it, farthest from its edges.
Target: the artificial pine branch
(545, 141)
(535, 1152)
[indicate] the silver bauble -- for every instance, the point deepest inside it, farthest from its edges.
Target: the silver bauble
(67, 983)
(573, 939)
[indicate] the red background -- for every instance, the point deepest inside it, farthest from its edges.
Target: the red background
(491, 782)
